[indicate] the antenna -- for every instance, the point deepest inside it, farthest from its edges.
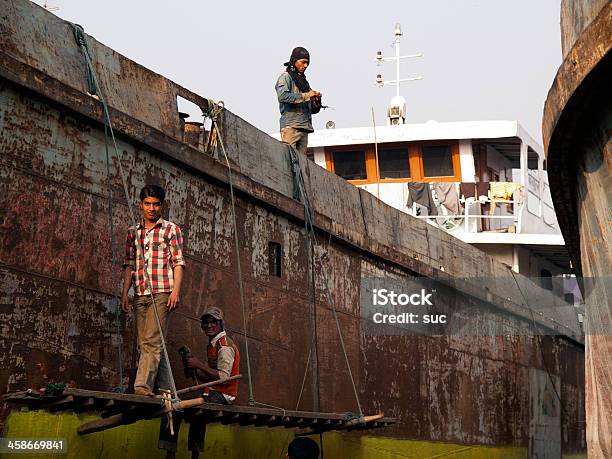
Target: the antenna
(396, 112)
(381, 60)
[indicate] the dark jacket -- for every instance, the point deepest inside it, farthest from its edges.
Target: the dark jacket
(294, 106)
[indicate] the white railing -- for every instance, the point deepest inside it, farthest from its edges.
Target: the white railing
(518, 203)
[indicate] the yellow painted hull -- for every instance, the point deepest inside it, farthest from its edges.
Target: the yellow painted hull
(139, 440)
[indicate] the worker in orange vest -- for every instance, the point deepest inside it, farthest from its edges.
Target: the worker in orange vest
(222, 362)
(223, 359)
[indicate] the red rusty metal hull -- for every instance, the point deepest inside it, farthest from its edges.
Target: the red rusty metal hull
(576, 125)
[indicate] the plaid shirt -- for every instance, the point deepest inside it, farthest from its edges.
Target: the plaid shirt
(162, 248)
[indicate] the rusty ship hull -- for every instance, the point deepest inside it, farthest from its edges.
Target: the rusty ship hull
(576, 126)
(470, 396)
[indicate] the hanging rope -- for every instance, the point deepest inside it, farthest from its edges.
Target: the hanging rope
(114, 264)
(213, 111)
(95, 89)
(299, 195)
(303, 197)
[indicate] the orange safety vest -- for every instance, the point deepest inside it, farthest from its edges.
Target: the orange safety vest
(212, 352)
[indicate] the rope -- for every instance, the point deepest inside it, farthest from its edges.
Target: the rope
(315, 331)
(79, 36)
(298, 194)
(81, 42)
(303, 196)
(213, 111)
(114, 264)
(316, 341)
(95, 89)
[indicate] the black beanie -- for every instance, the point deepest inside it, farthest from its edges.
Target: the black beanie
(297, 54)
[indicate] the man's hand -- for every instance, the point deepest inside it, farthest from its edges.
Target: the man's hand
(310, 94)
(127, 283)
(125, 303)
(173, 300)
(193, 362)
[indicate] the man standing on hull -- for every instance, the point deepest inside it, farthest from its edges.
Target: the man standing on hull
(155, 245)
(297, 101)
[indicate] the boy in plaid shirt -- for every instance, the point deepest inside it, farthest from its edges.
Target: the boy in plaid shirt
(157, 245)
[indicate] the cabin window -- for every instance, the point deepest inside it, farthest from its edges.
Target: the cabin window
(274, 259)
(393, 163)
(398, 162)
(350, 164)
(437, 160)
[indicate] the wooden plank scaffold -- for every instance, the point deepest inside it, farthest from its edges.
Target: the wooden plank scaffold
(121, 409)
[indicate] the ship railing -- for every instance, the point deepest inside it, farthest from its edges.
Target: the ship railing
(519, 207)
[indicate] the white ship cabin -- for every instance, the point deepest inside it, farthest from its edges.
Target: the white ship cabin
(487, 181)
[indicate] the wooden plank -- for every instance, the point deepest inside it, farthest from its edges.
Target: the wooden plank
(132, 415)
(62, 404)
(103, 404)
(23, 398)
(138, 399)
(230, 418)
(101, 424)
(306, 423)
(292, 421)
(264, 419)
(273, 412)
(276, 421)
(84, 405)
(119, 409)
(373, 423)
(14, 396)
(319, 423)
(208, 416)
(248, 419)
(136, 413)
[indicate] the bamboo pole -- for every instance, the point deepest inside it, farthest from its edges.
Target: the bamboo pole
(208, 384)
(130, 417)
